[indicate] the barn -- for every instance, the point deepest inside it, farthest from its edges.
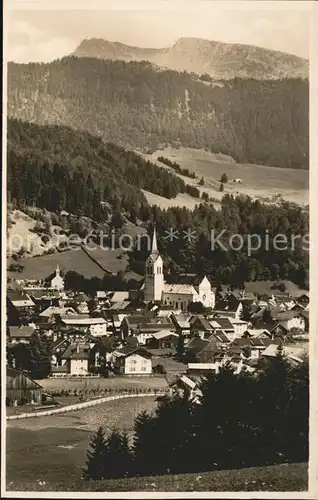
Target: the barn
(21, 388)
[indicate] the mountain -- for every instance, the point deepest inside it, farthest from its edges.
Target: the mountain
(217, 59)
(140, 107)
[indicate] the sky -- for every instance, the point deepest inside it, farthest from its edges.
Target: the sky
(43, 30)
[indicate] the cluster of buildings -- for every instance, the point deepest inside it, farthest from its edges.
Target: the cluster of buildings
(134, 333)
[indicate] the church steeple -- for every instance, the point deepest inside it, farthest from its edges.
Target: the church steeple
(154, 247)
(57, 271)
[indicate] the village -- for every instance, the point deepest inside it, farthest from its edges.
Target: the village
(176, 332)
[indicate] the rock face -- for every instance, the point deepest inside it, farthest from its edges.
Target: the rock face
(218, 60)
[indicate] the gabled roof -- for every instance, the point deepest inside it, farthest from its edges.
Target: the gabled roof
(182, 320)
(180, 289)
(129, 350)
(20, 331)
(285, 315)
(12, 373)
(224, 323)
(80, 355)
(164, 334)
(227, 305)
(61, 310)
(202, 321)
(196, 345)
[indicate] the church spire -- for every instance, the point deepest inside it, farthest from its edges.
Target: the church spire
(57, 271)
(154, 248)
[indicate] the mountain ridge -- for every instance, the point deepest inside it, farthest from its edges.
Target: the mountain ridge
(195, 55)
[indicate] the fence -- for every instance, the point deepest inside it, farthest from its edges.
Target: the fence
(86, 404)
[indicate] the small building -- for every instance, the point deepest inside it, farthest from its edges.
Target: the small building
(164, 339)
(133, 361)
(78, 363)
(94, 326)
(21, 389)
(57, 283)
(19, 334)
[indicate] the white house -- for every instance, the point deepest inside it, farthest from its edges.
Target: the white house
(95, 326)
(78, 363)
(57, 283)
(133, 361)
(239, 326)
(290, 320)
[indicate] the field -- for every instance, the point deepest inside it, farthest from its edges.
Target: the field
(181, 200)
(51, 384)
(257, 181)
(53, 448)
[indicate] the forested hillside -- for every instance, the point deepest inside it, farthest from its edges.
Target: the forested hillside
(136, 106)
(57, 168)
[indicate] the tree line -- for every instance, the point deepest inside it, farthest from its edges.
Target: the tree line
(59, 169)
(238, 216)
(242, 421)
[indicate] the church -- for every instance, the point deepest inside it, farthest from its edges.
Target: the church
(178, 296)
(57, 283)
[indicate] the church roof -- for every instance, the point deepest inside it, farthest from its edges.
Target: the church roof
(180, 289)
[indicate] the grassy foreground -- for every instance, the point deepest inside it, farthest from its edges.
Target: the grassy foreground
(285, 477)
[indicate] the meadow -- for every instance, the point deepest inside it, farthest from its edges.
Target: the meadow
(52, 449)
(258, 181)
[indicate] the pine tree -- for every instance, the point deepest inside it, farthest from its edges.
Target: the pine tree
(117, 456)
(95, 462)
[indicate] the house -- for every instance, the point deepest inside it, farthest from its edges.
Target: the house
(71, 334)
(93, 326)
(182, 324)
(164, 339)
(51, 311)
(57, 283)
(132, 361)
(290, 320)
(58, 349)
(119, 296)
(225, 325)
(239, 326)
(257, 333)
(294, 353)
(44, 299)
(20, 334)
(78, 362)
(143, 327)
(21, 388)
(201, 350)
(252, 347)
(305, 315)
(303, 300)
(230, 308)
(185, 386)
(20, 307)
(200, 326)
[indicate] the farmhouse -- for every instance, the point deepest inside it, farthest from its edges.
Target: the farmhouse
(94, 326)
(132, 361)
(21, 388)
(20, 334)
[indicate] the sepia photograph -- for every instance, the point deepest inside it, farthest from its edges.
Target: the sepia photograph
(157, 328)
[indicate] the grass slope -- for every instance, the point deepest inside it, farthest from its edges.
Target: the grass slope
(257, 180)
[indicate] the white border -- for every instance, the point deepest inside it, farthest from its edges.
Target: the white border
(10, 5)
